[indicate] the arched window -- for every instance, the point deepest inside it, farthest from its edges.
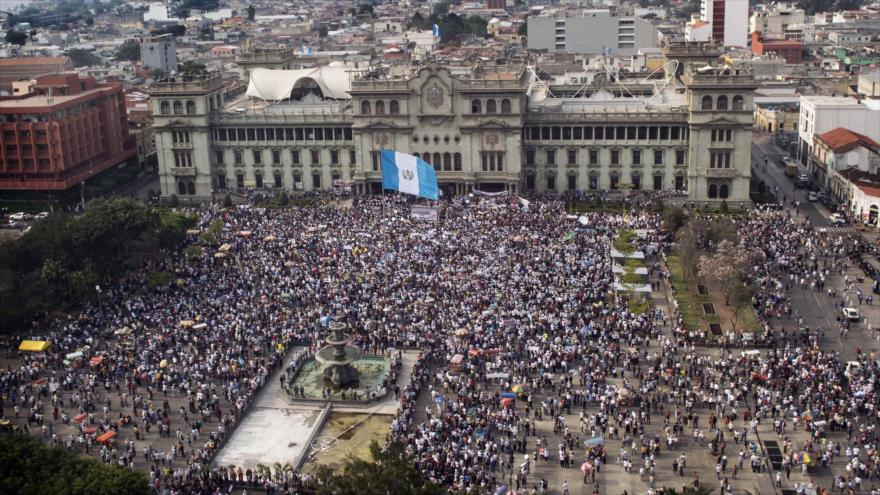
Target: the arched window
(724, 191)
(190, 188)
(394, 107)
(505, 106)
(178, 108)
(165, 108)
(296, 178)
(436, 161)
(365, 108)
(190, 107)
(456, 162)
(721, 104)
(737, 103)
(181, 188)
(713, 191)
(491, 107)
(707, 103)
(380, 107)
(447, 161)
(476, 106)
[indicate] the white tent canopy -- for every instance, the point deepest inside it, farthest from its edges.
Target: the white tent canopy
(276, 85)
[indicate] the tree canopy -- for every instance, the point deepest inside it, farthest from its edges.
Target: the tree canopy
(14, 37)
(29, 467)
(389, 471)
(129, 50)
(82, 58)
(63, 257)
(176, 30)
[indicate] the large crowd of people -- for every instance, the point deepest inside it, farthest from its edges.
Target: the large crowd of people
(525, 356)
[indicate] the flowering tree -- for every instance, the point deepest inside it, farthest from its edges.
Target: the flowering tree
(727, 265)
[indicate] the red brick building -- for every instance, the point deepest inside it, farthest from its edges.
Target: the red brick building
(65, 130)
(790, 50)
(496, 4)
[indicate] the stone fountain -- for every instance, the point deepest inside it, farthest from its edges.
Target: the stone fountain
(337, 357)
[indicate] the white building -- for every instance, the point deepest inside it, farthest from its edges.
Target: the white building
(773, 23)
(159, 12)
(820, 114)
(160, 52)
(590, 31)
(728, 19)
(425, 43)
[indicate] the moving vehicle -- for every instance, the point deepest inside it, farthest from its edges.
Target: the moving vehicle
(791, 169)
(851, 314)
(836, 219)
(813, 196)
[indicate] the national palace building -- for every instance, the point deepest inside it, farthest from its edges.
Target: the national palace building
(490, 128)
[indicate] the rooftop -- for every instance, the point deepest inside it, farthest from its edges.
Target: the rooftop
(842, 140)
(39, 101)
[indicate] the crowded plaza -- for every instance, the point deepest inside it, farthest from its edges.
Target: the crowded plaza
(535, 372)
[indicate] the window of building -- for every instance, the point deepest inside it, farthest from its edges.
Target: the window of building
(679, 157)
(316, 181)
(713, 191)
(352, 157)
(261, 135)
(270, 134)
(572, 157)
(630, 133)
(297, 179)
(652, 133)
(218, 157)
(221, 134)
(594, 182)
(221, 181)
(594, 157)
(530, 182)
(615, 181)
(556, 133)
(237, 157)
(436, 161)
(315, 157)
(258, 178)
(181, 188)
(530, 157)
(706, 103)
(577, 133)
(164, 108)
(294, 157)
(675, 133)
(658, 182)
(476, 106)
(394, 107)
(664, 133)
(658, 157)
(551, 157)
(545, 133)
(621, 133)
(719, 159)
(572, 182)
(723, 191)
(505, 106)
(551, 182)
(178, 108)
(636, 181)
(637, 157)
(566, 133)
(258, 157)
(365, 108)
(447, 162)
(380, 107)
(492, 161)
(679, 183)
(277, 177)
(491, 106)
(336, 178)
(588, 133)
(721, 103)
(374, 157)
(241, 135)
(642, 132)
(615, 157)
(190, 107)
(456, 162)
(600, 133)
(239, 180)
(251, 135)
(334, 157)
(276, 157)
(738, 103)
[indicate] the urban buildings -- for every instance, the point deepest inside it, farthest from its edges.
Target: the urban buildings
(820, 114)
(27, 68)
(590, 31)
(159, 53)
(723, 21)
(492, 128)
(65, 130)
(790, 50)
(775, 21)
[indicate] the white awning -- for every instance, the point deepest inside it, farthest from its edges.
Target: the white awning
(277, 85)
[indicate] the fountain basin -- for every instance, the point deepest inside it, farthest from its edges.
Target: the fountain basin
(371, 372)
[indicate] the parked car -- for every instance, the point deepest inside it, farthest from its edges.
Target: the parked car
(851, 314)
(41, 215)
(19, 216)
(813, 196)
(836, 219)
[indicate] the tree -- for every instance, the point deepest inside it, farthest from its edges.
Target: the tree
(176, 30)
(523, 29)
(740, 302)
(727, 265)
(673, 219)
(82, 58)
(173, 227)
(28, 466)
(251, 13)
(389, 471)
(191, 67)
(90, 21)
(129, 50)
(417, 21)
(686, 247)
(323, 32)
(365, 9)
(157, 74)
(227, 201)
(16, 37)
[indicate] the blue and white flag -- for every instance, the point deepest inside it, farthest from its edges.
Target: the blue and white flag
(306, 50)
(408, 174)
(435, 30)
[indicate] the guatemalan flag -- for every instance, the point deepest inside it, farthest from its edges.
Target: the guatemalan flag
(408, 174)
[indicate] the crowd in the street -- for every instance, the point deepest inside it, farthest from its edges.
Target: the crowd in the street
(508, 303)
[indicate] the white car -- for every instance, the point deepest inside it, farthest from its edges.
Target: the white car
(41, 215)
(19, 216)
(851, 314)
(813, 196)
(837, 219)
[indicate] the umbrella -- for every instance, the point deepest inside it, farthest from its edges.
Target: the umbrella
(244, 233)
(506, 402)
(163, 363)
(186, 323)
(269, 238)
(586, 467)
(461, 332)
(440, 399)
(220, 255)
(519, 389)
(507, 395)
